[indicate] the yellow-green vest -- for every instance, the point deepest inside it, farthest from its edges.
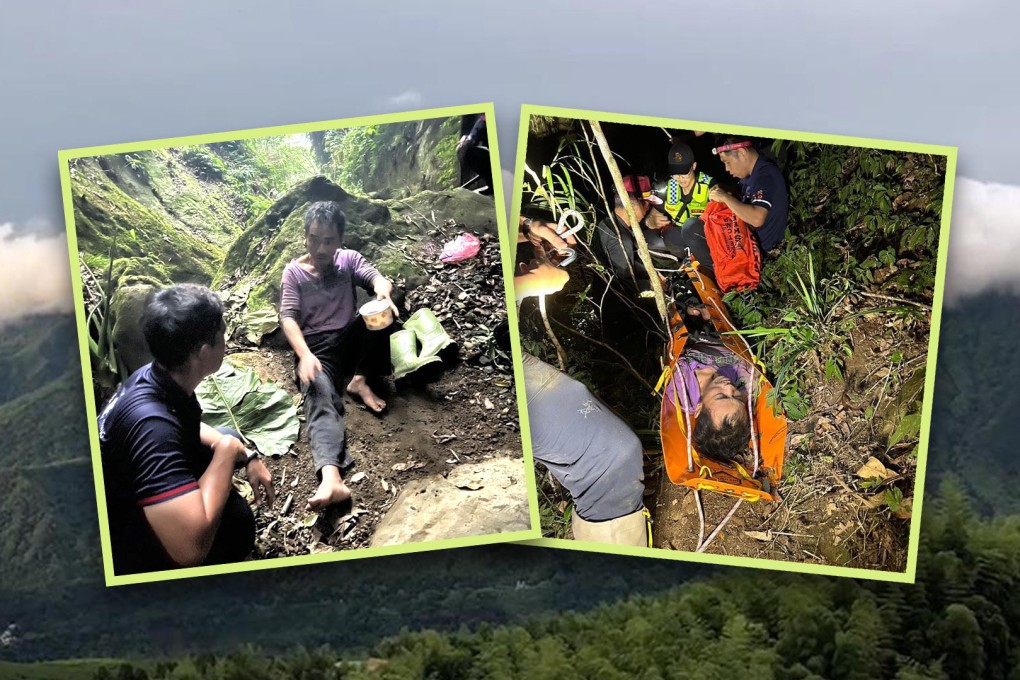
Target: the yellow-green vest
(673, 202)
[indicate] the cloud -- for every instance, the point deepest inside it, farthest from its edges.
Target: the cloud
(410, 98)
(984, 239)
(34, 275)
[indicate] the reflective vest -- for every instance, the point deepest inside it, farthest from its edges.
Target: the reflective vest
(680, 210)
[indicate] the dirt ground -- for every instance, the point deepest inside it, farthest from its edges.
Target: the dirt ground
(826, 515)
(433, 423)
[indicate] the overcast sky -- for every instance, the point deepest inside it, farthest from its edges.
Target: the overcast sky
(77, 74)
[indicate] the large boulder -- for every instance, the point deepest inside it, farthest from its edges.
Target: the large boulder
(256, 260)
(161, 224)
(475, 499)
(126, 308)
(474, 211)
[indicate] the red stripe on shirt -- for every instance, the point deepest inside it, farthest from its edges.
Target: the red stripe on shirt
(167, 495)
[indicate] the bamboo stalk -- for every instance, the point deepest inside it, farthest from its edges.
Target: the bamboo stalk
(635, 226)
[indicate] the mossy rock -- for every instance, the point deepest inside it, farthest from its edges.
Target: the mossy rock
(261, 253)
(474, 211)
(126, 308)
(401, 158)
(166, 249)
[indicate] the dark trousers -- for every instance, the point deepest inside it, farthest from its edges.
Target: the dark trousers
(477, 161)
(235, 537)
(353, 350)
(692, 237)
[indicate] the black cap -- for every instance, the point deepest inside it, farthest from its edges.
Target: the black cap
(681, 159)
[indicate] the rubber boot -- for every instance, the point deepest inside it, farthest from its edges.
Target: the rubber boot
(431, 333)
(633, 530)
(404, 353)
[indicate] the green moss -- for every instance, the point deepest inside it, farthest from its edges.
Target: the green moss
(446, 167)
(358, 154)
(398, 158)
(262, 252)
(394, 265)
(204, 163)
(105, 215)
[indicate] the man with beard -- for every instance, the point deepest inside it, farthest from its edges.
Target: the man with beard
(318, 314)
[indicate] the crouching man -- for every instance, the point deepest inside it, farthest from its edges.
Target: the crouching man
(167, 475)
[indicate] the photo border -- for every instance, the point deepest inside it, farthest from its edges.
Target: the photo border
(906, 576)
(506, 254)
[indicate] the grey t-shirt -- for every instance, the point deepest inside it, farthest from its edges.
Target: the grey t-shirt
(326, 302)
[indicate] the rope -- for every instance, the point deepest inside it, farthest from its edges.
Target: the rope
(711, 536)
(701, 520)
(750, 397)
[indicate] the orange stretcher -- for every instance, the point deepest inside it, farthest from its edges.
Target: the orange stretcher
(684, 464)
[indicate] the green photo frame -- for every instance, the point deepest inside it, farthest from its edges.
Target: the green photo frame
(66, 158)
(551, 183)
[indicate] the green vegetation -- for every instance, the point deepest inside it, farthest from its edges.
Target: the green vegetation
(964, 594)
(162, 251)
(957, 621)
(862, 222)
(261, 412)
(416, 155)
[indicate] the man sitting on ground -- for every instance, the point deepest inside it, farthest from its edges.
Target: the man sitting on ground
(686, 193)
(318, 314)
(617, 239)
(167, 475)
(763, 203)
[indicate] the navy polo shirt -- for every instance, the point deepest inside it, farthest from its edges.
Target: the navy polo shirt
(765, 187)
(149, 436)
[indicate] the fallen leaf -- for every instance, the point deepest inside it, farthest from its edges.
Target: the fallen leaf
(385, 486)
(310, 520)
(873, 502)
(906, 509)
(875, 469)
(759, 535)
(357, 477)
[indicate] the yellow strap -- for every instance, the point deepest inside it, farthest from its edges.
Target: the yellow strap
(743, 472)
(662, 378)
(648, 524)
(678, 410)
(704, 469)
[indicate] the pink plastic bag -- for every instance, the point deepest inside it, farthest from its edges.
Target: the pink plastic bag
(461, 248)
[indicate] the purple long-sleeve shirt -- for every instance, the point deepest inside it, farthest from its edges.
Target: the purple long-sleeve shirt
(705, 354)
(321, 304)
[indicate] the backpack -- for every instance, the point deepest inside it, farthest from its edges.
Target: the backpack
(735, 254)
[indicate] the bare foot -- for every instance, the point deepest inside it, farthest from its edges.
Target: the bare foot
(358, 387)
(331, 490)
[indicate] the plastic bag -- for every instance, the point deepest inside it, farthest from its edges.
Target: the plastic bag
(461, 248)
